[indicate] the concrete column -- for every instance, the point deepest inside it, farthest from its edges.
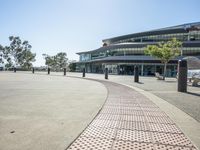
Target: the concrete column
(175, 70)
(142, 70)
(182, 76)
(188, 37)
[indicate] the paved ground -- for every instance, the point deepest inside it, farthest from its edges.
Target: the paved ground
(129, 120)
(40, 112)
(167, 90)
(168, 130)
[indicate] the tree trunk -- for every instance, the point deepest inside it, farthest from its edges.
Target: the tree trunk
(165, 69)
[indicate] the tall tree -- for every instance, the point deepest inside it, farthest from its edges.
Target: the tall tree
(57, 62)
(26, 57)
(18, 53)
(1, 54)
(165, 51)
(61, 60)
(49, 60)
(72, 65)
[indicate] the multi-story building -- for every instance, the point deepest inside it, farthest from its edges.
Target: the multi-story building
(121, 54)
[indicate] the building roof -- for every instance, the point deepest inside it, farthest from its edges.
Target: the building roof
(173, 29)
(184, 28)
(122, 45)
(138, 45)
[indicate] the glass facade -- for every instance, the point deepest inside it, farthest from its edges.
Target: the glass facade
(117, 52)
(188, 36)
(188, 51)
(134, 45)
(84, 57)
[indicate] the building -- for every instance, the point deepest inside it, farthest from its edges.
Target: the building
(120, 54)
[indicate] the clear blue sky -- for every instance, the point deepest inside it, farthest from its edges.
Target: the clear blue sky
(71, 26)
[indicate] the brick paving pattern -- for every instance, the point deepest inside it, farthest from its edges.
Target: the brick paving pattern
(130, 121)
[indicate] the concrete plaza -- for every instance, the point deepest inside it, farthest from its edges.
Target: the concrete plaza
(188, 102)
(39, 114)
(129, 120)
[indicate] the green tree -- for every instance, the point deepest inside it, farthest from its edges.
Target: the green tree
(165, 51)
(49, 61)
(18, 53)
(57, 62)
(61, 60)
(1, 54)
(72, 66)
(26, 59)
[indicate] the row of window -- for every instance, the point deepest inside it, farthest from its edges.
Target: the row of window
(190, 36)
(131, 51)
(85, 57)
(191, 50)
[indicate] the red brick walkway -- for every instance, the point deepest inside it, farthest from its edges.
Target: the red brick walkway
(130, 121)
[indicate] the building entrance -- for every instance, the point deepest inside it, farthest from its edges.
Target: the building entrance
(126, 69)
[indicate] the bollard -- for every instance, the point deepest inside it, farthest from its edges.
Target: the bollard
(49, 70)
(182, 76)
(83, 72)
(106, 73)
(15, 69)
(136, 74)
(33, 70)
(64, 71)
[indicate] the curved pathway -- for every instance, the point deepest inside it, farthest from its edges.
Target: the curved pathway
(130, 121)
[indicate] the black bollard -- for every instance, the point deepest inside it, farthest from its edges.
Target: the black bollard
(33, 70)
(83, 72)
(15, 69)
(64, 71)
(106, 73)
(182, 76)
(136, 74)
(49, 70)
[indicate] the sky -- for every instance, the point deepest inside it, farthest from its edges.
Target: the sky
(71, 26)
